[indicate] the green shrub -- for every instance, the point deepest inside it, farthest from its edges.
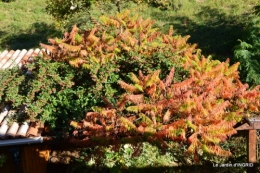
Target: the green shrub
(248, 53)
(117, 45)
(60, 10)
(53, 92)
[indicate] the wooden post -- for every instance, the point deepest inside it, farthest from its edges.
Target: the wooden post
(251, 150)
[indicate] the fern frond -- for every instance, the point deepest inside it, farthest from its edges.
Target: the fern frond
(127, 87)
(232, 69)
(149, 130)
(139, 87)
(153, 79)
(194, 146)
(162, 86)
(121, 103)
(135, 98)
(151, 90)
(169, 78)
(134, 78)
(153, 36)
(69, 47)
(208, 139)
(128, 124)
(141, 76)
(220, 107)
(189, 123)
(182, 85)
(133, 109)
(145, 119)
(217, 150)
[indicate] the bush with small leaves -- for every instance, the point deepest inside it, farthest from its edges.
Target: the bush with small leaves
(52, 92)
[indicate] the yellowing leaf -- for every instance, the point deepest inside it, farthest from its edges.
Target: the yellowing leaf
(146, 119)
(128, 124)
(153, 79)
(139, 87)
(134, 78)
(189, 123)
(133, 109)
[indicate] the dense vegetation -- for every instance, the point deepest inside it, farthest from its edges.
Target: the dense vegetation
(126, 73)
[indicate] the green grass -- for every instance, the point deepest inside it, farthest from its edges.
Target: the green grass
(24, 24)
(215, 25)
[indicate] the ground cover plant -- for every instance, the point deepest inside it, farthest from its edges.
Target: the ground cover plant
(145, 157)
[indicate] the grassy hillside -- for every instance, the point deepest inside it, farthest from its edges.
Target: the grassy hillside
(215, 25)
(24, 23)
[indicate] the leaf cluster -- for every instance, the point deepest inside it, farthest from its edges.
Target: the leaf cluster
(120, 43)
(247, 53)
(199, 111)
(61, 10)
(44, 91)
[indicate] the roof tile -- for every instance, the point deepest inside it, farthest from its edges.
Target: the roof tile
(10, 59)
(9, 129)
(5, 58)
(13, 129)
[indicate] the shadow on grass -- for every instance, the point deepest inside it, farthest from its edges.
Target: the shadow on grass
(2, 33)
(215, 32)
(38, 33)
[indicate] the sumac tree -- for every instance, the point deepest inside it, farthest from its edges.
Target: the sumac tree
(198, 103)
(199, 111)
(118, 45)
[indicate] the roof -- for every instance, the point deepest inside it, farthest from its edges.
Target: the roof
(13, 133)
(9, 59)
(13, 129)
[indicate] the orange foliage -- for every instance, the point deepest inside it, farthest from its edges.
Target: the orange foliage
(201, 110)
